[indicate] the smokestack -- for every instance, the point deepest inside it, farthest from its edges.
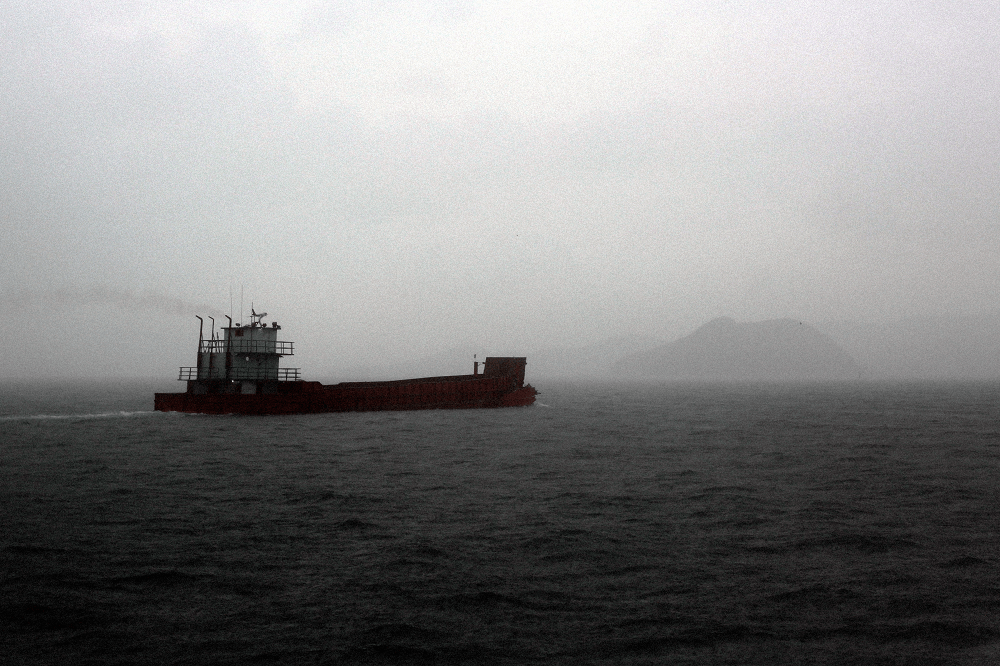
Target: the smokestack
(201, 342)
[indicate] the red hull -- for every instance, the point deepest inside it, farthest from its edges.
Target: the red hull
(459, 392)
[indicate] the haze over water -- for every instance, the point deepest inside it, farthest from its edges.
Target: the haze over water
(395, 180)
(611, 523)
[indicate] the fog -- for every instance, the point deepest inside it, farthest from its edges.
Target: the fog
(391, 181)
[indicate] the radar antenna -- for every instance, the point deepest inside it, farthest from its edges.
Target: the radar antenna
(257, 317)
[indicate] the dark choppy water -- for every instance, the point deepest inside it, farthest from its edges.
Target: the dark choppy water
(613, 524)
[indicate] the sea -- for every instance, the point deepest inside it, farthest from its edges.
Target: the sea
(609, 523)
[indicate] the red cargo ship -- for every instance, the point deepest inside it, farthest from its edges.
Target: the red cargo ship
(238, 373)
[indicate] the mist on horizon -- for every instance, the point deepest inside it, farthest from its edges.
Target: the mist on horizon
(392, 182)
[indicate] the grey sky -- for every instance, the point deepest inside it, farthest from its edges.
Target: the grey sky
(389, 179)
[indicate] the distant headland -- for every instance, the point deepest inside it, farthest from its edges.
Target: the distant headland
(726, 350)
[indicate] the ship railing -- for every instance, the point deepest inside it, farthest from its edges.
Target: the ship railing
(242, 374)
(237, 346)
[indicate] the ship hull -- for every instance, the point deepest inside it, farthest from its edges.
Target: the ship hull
(457, 392)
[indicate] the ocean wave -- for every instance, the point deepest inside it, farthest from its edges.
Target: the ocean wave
(80, 417)
(475, 537)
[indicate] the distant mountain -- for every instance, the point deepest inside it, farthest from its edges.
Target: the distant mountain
(725, 350)
(960, 347)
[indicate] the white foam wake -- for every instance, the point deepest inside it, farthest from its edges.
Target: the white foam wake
(81, 417)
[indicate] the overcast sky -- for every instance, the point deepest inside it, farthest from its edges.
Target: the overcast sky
(396, 178)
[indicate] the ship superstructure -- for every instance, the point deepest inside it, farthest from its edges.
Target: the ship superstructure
(244, 359)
